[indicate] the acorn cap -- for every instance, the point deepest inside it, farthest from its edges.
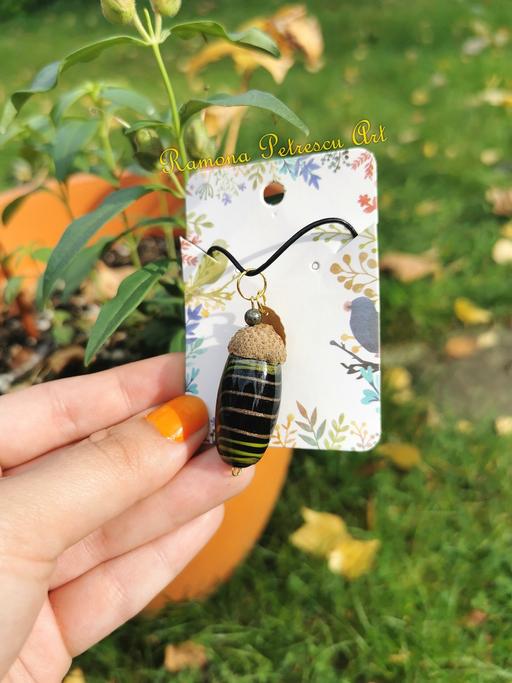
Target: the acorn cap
(260, 342)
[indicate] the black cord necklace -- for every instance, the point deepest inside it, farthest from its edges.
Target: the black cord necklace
(283, 247)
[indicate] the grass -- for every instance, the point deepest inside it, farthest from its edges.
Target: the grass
(446, 527)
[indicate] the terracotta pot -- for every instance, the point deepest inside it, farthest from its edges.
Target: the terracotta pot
(41, 220)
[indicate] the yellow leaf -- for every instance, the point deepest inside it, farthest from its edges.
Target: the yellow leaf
(469, 313)
(399, 657)
(487, 340)
(352, 558)
(430, 149)
(320, 533)
(427, 207)
(501, 200)
(186, 655)
(503, 425)
(398, 378)
(404, 455)
(464, 426)
(410, 267)
(489, 157)
(75, 676)
(502, 251)
(419, 97)
(506, 230)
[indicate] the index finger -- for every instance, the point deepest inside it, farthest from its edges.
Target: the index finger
(47, 416)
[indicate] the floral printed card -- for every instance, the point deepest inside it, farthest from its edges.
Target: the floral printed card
(325, 289)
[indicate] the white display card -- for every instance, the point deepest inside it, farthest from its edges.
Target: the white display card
(325, 289)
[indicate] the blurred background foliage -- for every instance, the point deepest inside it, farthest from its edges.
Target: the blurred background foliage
(434, 604)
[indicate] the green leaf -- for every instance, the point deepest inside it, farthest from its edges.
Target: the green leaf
(177, 342)
(81, 265)
(130, 294)
(12, 289)
(49, 75)
(251, 98)
(252, 37)
(147, 123)
(79, 232)
(67, 100)
(124, 97)
(71, 138)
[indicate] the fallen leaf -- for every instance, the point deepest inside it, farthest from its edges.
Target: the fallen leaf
(186, 655)
(420, 97)
(475, 618)
(487, 340)
(75, 676)
(501, 200)
(506, 230)
(489, 157)
(399, 657)
(430, 149)
(320, 533)
(398, 378)
(352, 557)
(469, 313)
(461, 347)
(464, 426)
(62, 357)
(502, 251)
(503, 425)
(410, 267)
(405, 456)
(427, 207)
(105, 281)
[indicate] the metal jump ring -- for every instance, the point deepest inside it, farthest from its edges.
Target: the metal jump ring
(259, 295)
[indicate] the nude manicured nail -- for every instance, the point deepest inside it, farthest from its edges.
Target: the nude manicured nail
(179, 418)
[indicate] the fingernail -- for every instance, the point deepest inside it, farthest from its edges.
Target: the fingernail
(179, 418)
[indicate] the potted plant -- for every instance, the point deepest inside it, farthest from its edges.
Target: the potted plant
(94, 193)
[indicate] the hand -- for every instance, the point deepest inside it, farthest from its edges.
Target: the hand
(96, 519)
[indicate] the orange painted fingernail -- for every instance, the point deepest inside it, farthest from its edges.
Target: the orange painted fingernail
(179, 418)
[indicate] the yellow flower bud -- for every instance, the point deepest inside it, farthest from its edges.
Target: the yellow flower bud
(167, 8)
(118, 11)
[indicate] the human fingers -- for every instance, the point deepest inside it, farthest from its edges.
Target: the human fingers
(93, 605)
(54, 414)
(204, 483)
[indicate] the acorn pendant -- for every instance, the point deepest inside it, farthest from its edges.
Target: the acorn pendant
(249, 392)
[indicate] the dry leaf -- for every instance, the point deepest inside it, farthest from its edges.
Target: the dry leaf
(186, 655)
(503, 425)
(75, 676)
(487, 340)
(399, 657)
(352, 558)
(502, 251)
(475, 618)
(405, 456)
(420, 97)
(501, 200)
(506, 230)
(461, 347)
(469, 313)
(410, 267)
(62, 357)
(320, 533)
(489, 157)
(464, 426)
(427, 207)
(398, 378)
(104, 283)
(292, 29)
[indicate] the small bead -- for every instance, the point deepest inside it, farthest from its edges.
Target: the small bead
(253, 316)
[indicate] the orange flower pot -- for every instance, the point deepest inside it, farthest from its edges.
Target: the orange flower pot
(41, 220)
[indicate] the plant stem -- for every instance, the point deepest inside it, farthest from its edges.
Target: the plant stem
(174, 107)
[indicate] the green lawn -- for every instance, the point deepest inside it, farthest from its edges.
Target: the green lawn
(445, 527)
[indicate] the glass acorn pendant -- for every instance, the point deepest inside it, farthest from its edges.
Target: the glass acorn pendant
(249, 392)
